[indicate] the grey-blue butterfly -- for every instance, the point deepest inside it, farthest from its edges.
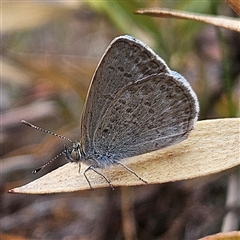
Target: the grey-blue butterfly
(135, 105)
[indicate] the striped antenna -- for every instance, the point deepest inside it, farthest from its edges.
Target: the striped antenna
(36, 170)
(46, 131)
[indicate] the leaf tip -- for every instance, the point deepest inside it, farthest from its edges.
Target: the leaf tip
(11, 191)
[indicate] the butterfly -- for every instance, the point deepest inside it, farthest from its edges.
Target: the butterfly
(135, 105)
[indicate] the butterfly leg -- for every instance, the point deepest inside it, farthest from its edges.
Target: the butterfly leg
(131, 171)
(99, 173)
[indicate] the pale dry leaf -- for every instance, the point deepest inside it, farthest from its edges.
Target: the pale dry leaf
(220, 21)
(213, 146)
(235, 5)
(235, 235)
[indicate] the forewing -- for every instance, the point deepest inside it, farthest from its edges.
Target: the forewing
(146, 115)
(125, 62)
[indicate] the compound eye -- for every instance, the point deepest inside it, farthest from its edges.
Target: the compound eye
(72, 154)
(75, 154)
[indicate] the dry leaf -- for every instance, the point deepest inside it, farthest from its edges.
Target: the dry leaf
(212, 147)
(235, 235)
(225, 22)
(235, 5)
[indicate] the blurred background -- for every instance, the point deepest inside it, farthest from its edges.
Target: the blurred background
(49, 51)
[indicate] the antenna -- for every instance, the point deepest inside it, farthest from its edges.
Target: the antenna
(46, 131)
(36, 170)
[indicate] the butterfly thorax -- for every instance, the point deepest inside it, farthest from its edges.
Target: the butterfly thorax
(75, 153)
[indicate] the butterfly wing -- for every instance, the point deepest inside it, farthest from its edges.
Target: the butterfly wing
(125, 62)
(152, 113)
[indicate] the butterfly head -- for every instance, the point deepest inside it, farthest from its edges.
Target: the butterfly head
(73, 153)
